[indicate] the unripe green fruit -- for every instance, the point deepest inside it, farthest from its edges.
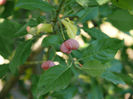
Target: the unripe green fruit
(45, 27)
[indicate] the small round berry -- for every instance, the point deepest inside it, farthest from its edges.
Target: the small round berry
(46, 65)
(2, 2)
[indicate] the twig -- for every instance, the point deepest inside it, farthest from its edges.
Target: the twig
(57, 15)
(33, 62)
(58, 11)
(14, 78)
(62, 30)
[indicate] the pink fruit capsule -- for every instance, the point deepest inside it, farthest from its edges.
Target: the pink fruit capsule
(69, 45)
(64, 49)
(2, 2)
(46, 65)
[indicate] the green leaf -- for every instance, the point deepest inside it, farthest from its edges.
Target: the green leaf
(51, 40)
(45, 27)
(95, 93)
(122, 20)
(95, 33)
(34, 4)
(103, 50)
(55, 78)
(33, 22)
(52, 53)
(5, 46)
(1, 10)
(125, 4)
(3, 70)
(34, 80)
(67, 93)
(71, 28)
(131, 12)
(112, 77)
(86, 3)
(105, 10)
(101, 2)
(127, 79)
(22, 30)
(88, 14)
(94, 68)
(116, 66)
(8, 28)
(60, 59)
(21, 55)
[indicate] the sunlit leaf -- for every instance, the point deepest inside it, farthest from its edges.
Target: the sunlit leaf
(71, 28)
(86, 3)
(103, 50)
(101, 2)
(95, 33)
(122, 20)
(45, 27)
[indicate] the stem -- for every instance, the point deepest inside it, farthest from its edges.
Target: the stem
(58, 11)
(54, 55)
(8, 86)
(48, 52)
(62, 30)
(34, 62)
(11, 82)
(71, 60)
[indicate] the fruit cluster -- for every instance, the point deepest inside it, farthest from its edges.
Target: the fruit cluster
(66, 47)
(69, 45)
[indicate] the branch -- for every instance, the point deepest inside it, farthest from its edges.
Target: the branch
(58, 11)
(14, 78)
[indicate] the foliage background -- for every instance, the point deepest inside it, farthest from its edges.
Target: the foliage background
(101, 68)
